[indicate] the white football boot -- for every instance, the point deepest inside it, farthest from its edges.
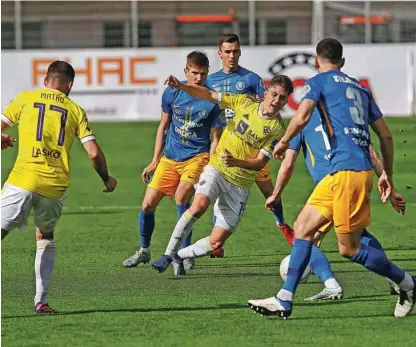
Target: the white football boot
(327, 294)
(137, 258)
(406, 302)
(271, 307)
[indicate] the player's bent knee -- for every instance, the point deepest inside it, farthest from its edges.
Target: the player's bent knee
(199, 206)
(42, 235)
(148, 206)
(347, 252)
(184, 193)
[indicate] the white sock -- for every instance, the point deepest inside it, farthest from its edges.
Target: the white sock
(44, 262)
(198, 249)
(182, 230)
(284, 295)
(407, 283)
(145, 250)
(331, 283)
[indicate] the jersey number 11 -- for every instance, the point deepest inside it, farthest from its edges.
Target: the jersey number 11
(41, 117)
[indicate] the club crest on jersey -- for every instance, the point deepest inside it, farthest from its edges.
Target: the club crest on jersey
(266, 131)
(240, 85)
(203, 114)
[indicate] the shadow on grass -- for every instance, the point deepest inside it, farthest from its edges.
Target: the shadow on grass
(140, 310)
(205, 308)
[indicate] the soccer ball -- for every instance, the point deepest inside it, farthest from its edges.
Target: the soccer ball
(284, 266)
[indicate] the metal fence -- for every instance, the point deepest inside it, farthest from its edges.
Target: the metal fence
(114, 24)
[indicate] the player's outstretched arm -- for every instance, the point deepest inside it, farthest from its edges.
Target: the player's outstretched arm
(297, 123)
(249, 164)
(215, 138)
(283, 177)
(99, 163)
(198, 92)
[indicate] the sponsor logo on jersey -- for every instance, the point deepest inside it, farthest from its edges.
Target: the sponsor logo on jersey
(49, 153)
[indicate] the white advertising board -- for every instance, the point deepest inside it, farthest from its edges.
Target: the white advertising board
(127, 84)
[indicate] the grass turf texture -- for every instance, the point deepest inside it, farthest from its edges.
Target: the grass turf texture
(103, 304)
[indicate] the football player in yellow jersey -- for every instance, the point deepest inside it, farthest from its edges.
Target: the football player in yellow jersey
(245, 148)
(48, 123)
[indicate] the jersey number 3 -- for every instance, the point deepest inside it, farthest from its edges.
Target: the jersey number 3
(41, 117)
(356, 111)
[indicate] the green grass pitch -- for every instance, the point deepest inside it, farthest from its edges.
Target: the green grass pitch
(100, 303)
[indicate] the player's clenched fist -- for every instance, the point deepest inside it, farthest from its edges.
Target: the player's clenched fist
(110, 184)
(228, 159)
(280, 149)
(6, 141)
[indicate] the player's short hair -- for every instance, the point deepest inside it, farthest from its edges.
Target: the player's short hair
(61, 70)
(229, 38)
(330, 49)
(197, 58)
(283, 81)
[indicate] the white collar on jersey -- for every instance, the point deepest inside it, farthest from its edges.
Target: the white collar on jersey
(264, 117)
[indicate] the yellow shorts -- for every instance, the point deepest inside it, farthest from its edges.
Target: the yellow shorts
(264, 174)
(169, 173)
(344, 198)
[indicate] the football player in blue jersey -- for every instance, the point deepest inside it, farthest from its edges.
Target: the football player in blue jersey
(235, 79)
(346, 109)
(315, 147)
(188, 132)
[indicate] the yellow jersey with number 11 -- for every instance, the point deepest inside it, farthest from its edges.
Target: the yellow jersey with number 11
(48, 123)
(245, 136)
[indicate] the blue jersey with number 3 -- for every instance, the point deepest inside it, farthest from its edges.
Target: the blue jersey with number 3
(346, 109)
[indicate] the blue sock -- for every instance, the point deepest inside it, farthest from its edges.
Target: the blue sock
(146, 227)
(320, 265)
(180, 209)
(376, 261)
(278, 213)
(299, 259)
(370, 240)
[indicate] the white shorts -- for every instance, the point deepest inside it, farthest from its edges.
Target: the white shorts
(230, 199)
(17, 203)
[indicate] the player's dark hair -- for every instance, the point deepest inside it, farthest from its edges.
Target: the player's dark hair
(229, 38)
(197, 58)
(330, 50)
(283, 81)
(61, 70)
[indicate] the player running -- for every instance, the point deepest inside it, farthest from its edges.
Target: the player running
(235, 79)
(249, 138)
(48, 123)
(192, 129)
(314, 144)
(347, 109)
